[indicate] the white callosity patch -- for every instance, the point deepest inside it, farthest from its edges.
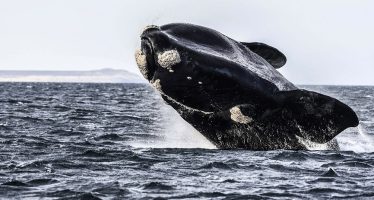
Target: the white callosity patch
(168, 58)
(157, 84)
(237, 116)
(141, 61)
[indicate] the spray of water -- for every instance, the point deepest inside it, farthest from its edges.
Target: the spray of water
(176, 133)
(312, 145)
(180, 134)
(356, 139)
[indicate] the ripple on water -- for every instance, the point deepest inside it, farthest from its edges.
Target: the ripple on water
(41, 181)
(66, 132)
(112, 137)
(349, 163)
(70, 194)
(157, 186)
(330, 173)
(111, 189)
(15, 183)
(218, 165)
(291, 156)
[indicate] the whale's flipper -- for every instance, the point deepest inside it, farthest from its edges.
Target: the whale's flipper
(318, 117)
(272, 55)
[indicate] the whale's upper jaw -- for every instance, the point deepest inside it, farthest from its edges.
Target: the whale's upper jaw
(145, 56)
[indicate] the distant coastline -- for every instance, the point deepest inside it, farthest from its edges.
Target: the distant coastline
(94, 76)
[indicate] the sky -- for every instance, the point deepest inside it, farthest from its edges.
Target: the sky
(325, 41)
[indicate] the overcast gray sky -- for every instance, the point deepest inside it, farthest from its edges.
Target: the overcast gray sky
(325, 41)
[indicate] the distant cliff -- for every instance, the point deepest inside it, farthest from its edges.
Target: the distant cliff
(96, 76)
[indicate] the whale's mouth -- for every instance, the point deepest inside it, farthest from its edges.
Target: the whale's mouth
(145, 59)
(147, 49)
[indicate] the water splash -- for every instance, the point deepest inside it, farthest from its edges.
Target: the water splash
(176, 133)
(313, 145)
(356, 139)
(362, 132)
(180, 134)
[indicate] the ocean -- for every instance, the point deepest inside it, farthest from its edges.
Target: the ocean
(120, 141)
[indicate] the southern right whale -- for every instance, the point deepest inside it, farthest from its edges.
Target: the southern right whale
(231, 92)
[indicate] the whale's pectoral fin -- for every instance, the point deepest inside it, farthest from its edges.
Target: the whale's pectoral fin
(318, 118)
(272, 55)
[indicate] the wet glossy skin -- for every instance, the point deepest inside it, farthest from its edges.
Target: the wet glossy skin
(231, 95)
(208, 73)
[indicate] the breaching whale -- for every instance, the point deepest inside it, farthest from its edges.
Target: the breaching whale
(231, 92)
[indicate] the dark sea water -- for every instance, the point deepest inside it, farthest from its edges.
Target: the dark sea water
(119, 141)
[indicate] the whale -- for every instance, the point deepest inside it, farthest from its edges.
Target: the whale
(232, 93)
